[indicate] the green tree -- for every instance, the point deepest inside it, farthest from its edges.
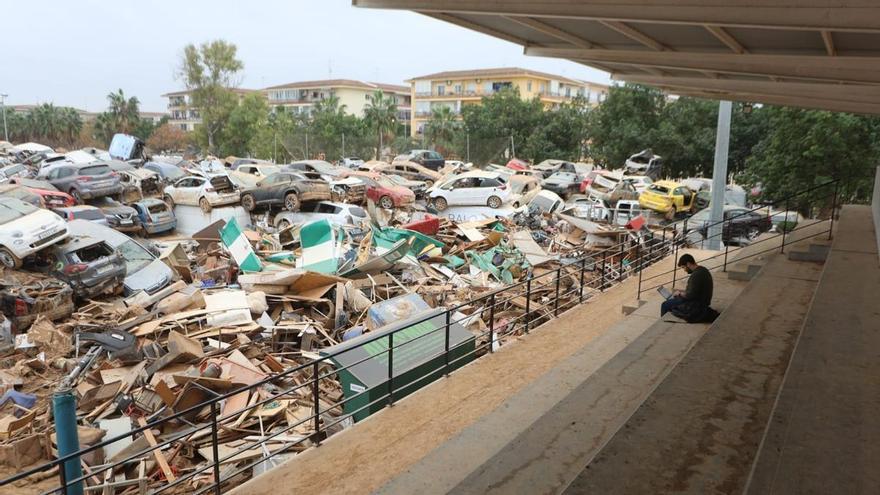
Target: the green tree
(561, 133)
(124, 112)
(625, 123)
(209, 71)
(380, 114)
(500, 117)
(242, 125)
(805, 148)
(442, 128)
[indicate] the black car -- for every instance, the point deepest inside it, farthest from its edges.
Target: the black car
(288, 188)
(89, 266)
(426, 158)
(741, 225)
(119, 216)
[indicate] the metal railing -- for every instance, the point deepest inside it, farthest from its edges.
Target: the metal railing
(536, 299)
(728, 228)
(510, 310)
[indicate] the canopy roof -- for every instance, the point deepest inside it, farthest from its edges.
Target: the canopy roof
(810, 53)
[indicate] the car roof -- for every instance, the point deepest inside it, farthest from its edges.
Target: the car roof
(77, 208)
(480, 174)
(667, 183)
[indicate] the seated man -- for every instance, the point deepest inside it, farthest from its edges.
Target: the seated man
(692, 305)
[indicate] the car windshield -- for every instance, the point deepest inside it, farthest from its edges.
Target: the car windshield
(659, 189)
(11, 209)
(384, 182)
(89, 214)
(95, 170)
(357, 211)
(397, 179)
(13, 170)
(157, 208)
(136, 257)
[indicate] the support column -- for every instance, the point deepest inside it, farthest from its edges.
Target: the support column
(719, 175)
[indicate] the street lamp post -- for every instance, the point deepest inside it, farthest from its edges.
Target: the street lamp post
(3, 106)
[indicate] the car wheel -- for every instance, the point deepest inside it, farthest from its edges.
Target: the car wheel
(76, 196)
(494, 202)
(205, 205)
(386, 202)
(429, 183)
(753, 232)
(283, 224)
(440, 204)
(8, 259)
(291, 202)
(169, 201)
(248, 202)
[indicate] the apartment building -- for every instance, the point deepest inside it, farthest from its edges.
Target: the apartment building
(301, 97)
(182, 113)
(456, 89)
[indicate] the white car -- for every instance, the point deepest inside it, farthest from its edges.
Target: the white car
(26, 229)
(351, 162)
(258, 169)
(476, 188)
(640, 182)
(335, 213)
(203, 192)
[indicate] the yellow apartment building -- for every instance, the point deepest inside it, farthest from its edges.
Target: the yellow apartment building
(457, 89)
(183, 114)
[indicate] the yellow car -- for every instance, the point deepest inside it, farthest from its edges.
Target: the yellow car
(668, 197)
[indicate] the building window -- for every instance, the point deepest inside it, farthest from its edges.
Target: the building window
(441, 90)
(542, 88)
(472, 88)
(529, 86)
(568, 91)
(458, 89)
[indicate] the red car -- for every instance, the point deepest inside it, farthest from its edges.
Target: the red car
(517, 164)
(383, 192)
(49, 196)
(40, 198)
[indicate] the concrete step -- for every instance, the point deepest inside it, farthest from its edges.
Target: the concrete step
(815, 252)
(698, 431)
(744, 274)
(824, 434)
(632, 307)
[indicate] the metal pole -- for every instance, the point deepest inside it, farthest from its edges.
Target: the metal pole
(512, 147)
(785, 228)
(467, 138)
(833, 210)
(343, 145)
(316, 397)
(581, 286)
(719, 174)
(674, 261)
(528, 300)
(307, 145)
(726, 249)
(3, 105)
(556, 299)
(602, 279)
(446, 351)
(639, 267)
(492, 323)
(391, 369)
(64, 411)
(215, 448)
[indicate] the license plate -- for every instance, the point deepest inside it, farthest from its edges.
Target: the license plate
(48, 233)
(104, 269)
(126, 222)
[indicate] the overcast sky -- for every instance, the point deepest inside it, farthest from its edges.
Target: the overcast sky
(75, 52)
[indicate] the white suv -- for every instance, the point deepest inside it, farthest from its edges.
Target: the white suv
(477, 188)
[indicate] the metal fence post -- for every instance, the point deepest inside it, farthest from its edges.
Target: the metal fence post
(620, 264)
(556, 301)
(391, 369)
(528, 301)
(492, 323)
(833, 209)
(639, 267)
(674, 261)
(602, 275)
(581, 286)
(215, 449)
(785, 228)
(446, 347)
(726, 249)
(316, 397)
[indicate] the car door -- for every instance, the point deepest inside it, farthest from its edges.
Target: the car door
(187, 190)
(467, 191)
(403, 171)
(276, 187)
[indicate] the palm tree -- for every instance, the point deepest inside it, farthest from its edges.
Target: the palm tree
(381, 115)
(125, 113)
(70, 125)
(441, 128)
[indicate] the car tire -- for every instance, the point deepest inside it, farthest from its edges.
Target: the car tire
(753, 232)
(205, 205)
(169, 201)
(386, 202)
(77, 197)
(8, 259)
(283, 224)
(248, 202)
(440, 204)
(494, 202)
(291, 202)
(428, 183)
